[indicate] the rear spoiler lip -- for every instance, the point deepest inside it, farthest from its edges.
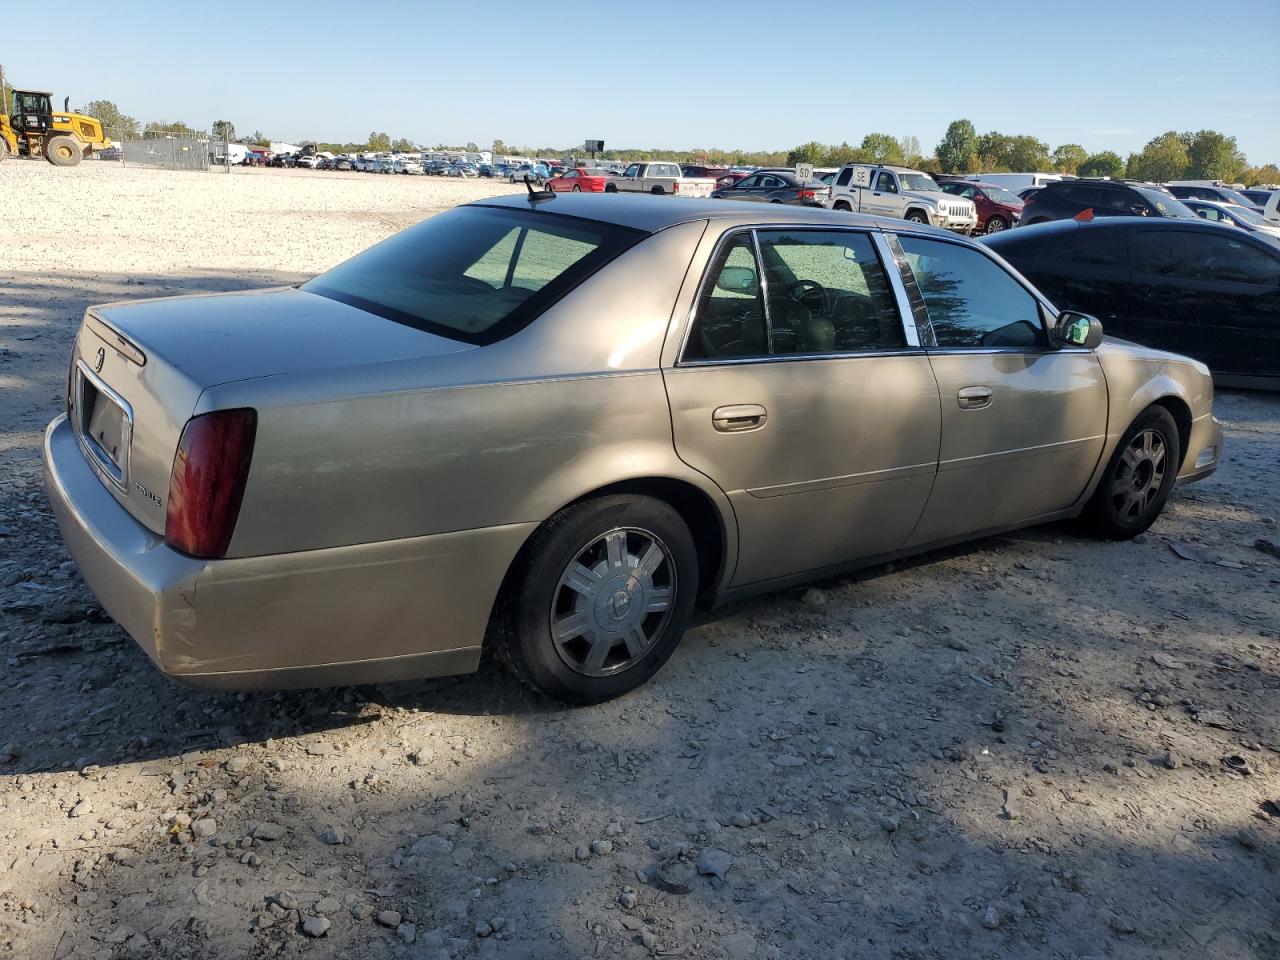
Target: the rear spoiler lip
(117, 340)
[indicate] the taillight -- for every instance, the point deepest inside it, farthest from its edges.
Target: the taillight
(806, 194)
(207, 482)
(675, 187)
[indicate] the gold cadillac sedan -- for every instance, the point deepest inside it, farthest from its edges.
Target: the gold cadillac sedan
(558, 424)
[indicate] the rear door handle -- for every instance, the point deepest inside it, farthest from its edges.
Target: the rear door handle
(739, 417)
(973, 398)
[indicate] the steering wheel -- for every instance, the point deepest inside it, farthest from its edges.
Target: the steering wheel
(803, 290)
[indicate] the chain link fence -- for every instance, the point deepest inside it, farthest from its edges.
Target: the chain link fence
(166, 152)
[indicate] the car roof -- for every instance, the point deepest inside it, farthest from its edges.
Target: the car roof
(651, 214)
(1010, 238)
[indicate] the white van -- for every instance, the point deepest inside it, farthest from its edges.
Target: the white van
(1013, 182)
(1272, 210)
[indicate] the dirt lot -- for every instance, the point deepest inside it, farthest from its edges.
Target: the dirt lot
(1038, 746)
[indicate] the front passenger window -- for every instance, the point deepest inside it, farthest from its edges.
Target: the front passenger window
(971, 301)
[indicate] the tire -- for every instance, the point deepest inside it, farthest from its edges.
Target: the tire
(610, 188)
(996, 225)
(576, 189)
(1138, 479)
(4, 149)
(657, 191)
(842, 205)
(915, 216)
(63, 151)
(607, 541)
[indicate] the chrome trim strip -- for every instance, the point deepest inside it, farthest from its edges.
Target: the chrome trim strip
(961, 463)
(850, 480)
(1027, 351)
(115, 339)
(787, 357)
(96, 456)
(889, 265)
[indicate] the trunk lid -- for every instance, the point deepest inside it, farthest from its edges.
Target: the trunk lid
(138, 370)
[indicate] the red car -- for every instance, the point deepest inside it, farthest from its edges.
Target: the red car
(577, 180)
(998, 209)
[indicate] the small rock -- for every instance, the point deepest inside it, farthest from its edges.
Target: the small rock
(1012, 806)
(327, 905)
(631, 923)
(407, 932)
(316, 926)
(421, 755)
(237, 764)
(742, 819)
(738, 946)
(628, 899)
(814, 597)
(1249, 839)
(613, 829)
(483, 929)
(285, 900)
(581, 852)
(1122, 926)
(362, 911)
(649, 939)
(389, 918)
(955, 643)
(890, 824)
(601, 847)
(83, 808)
(991, 918)
(1171, 760)
(204, 828)
(267, 831)
(712, 862)
(321, 749)
(334, 836)
(789, 760)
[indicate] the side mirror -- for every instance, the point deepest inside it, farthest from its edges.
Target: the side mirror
(1078, 330)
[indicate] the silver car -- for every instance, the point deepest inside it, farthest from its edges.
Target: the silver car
(558, 426)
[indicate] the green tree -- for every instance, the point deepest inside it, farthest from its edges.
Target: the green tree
(403, 146)
(223, 130)
(499, 149)
(1163, 158)
(882, 148)
(1068, 157)
(1267, 173)
(811, 152)
(1105, 164)
(957, 147)
(910, 147)
(379, 142)
(161, 128)
(258, 138)
(1214, 156)
(116, 123)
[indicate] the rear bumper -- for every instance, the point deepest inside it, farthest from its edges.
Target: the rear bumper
(1204, 450)
(356, 614)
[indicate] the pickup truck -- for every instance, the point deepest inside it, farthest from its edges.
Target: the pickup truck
(902, 193)
(659, 178)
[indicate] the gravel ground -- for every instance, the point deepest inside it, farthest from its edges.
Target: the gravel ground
(1037, 746)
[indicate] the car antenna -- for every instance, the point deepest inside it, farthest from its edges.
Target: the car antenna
(537, 196)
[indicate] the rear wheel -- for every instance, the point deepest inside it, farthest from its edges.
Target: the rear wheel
(610, 189)
(657, 191)
(996, 224)
(63, 151)
(1138, 479)
(842, 205)
(576, 188)
(604, 596)
(915, 216)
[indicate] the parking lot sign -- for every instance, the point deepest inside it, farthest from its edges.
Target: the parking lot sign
(804, 172)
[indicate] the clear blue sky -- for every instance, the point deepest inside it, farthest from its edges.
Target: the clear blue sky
(739, 74)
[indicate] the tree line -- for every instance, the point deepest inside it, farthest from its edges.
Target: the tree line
(1199, 155)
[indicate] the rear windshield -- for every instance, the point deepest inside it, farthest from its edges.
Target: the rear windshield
(475, 274)
(1166, 203)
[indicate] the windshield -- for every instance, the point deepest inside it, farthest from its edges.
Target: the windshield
(919, 181)
(1001, 195)
(475, 274)
(1235, 196)
(1248, 216)
(1167, 204)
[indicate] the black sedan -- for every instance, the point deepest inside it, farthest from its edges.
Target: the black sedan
(1208, 291)
(776, 186)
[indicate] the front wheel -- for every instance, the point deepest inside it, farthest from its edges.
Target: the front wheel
(611, 189)
(1139, 477)
(915, 216)
(842, 205)
(996, 224)
(577, 188)
(63, 151)
(606, 590)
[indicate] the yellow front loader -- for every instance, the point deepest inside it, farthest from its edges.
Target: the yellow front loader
(32, 129)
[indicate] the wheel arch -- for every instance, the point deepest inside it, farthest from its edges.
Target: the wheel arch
(711, 525)
(1181, 413)
(920, 210)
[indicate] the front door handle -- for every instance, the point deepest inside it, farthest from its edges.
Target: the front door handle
(739, 417)
(973, 398)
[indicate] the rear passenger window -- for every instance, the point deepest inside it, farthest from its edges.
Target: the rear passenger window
(1190, 255)
(729, 322)
(843, 179)
(828, 293)
(971, 301)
